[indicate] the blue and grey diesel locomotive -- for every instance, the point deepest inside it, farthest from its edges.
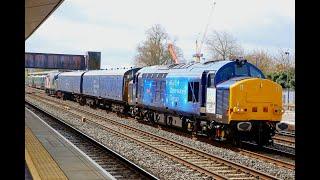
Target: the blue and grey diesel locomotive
(225, 99)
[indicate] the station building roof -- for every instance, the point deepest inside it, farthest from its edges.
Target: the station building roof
(36, 12)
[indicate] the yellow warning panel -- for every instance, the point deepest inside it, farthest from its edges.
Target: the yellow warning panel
(40, 163)
(255, 99)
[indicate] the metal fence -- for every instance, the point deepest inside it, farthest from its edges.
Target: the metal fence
(288, 99)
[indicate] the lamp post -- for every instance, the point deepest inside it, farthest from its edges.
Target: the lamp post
(287, 53)
(257, 59)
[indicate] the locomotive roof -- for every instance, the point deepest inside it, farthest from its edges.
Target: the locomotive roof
(193, 68)
(227, 84)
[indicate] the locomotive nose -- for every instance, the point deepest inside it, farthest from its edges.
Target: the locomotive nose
(255, 99)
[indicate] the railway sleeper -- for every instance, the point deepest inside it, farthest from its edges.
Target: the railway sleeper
(187, 156)
(227, 171)
(217, 168)
(195, 157)
(199, 161)
(241, 178)
(239, 174)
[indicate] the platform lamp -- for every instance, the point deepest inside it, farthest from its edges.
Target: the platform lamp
(287, 53)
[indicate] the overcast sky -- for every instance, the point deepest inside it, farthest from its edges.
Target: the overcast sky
(115, 27)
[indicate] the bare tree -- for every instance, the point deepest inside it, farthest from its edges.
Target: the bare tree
(284, 61)
(262, 59)
(154, 50)
(223, 45)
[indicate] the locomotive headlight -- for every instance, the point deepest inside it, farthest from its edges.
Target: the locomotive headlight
(238, 110)
(278, 110)
(204, 128)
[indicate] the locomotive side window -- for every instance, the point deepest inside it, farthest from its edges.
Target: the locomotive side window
(193, 91)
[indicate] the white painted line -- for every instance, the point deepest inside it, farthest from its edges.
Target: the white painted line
(75, 147)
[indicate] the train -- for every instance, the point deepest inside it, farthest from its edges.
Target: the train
(37, 81)
(226, 100)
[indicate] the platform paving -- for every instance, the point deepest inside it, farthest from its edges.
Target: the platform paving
(70, 160)
(27, 175)
(289, 117)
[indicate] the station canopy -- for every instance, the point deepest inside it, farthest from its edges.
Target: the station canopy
(36, 12)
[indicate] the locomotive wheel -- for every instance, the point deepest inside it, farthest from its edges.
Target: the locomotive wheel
(93, 106)
(237, 142)
(82, 102)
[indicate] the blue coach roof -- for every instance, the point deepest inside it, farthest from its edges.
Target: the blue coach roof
(121, 71)
(73, 73)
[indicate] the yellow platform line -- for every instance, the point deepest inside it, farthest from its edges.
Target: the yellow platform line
(40, 163)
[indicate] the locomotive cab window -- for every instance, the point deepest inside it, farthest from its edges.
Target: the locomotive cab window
(241, 70)
(255, 72)
(225, 74)
(193, 91)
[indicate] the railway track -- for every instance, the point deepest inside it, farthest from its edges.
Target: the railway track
(267, 154)
(118, 166)
(204, 163)
(244, 151)
(250, 149)
(286, 133)
(275, 161)
(285, 139)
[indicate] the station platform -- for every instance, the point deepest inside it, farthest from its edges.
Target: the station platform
(289, 118)
(51, 156)
(27, 175)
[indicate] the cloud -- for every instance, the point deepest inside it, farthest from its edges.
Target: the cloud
(116, 27)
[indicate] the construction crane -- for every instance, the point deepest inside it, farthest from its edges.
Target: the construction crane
(173, 53)
(198, 53)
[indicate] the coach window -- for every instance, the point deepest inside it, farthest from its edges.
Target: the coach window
(193, 91)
